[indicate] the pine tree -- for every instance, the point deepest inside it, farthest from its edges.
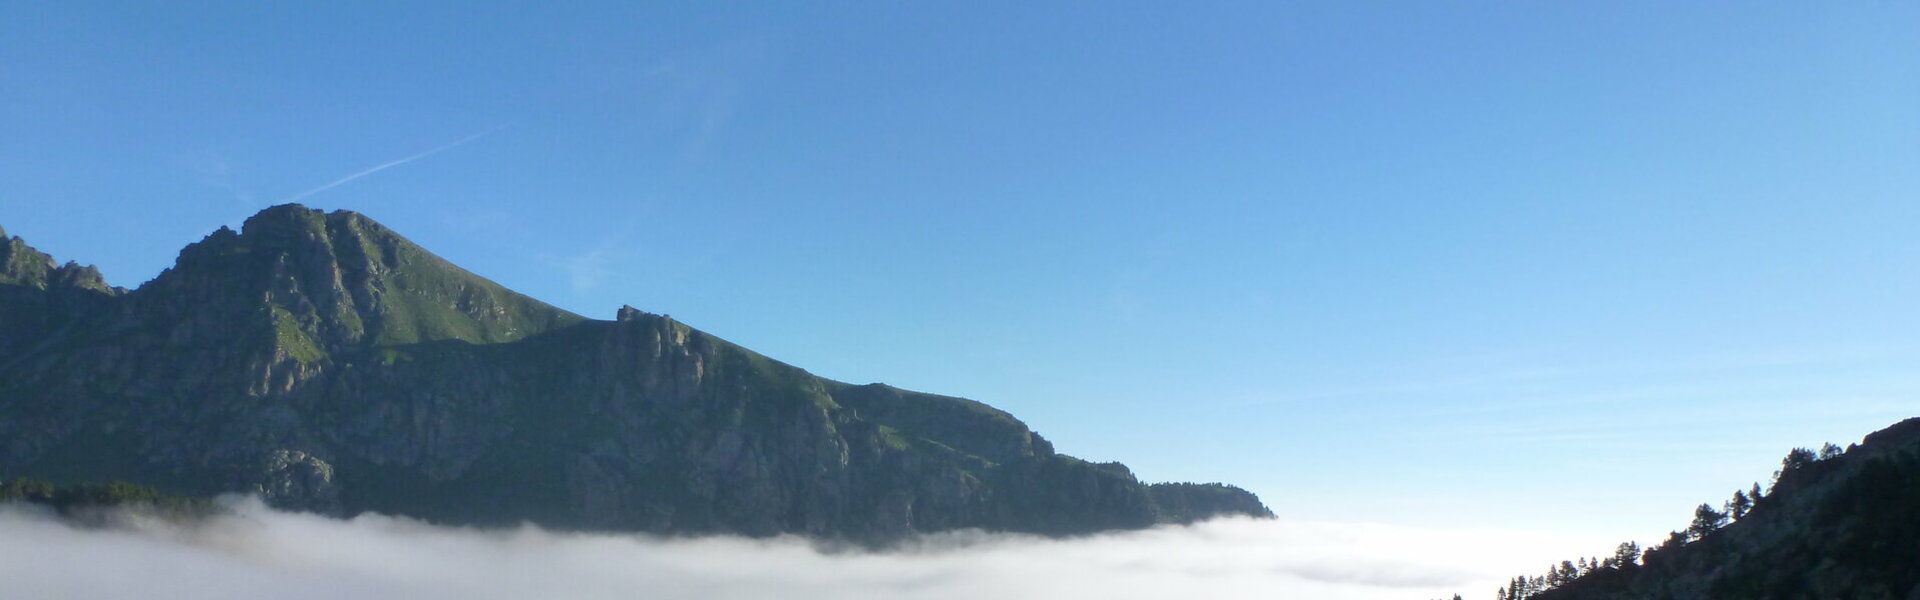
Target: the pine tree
(1627, 555)
(1830, 451)
(1739, 505)
(1796, 459)
(1705, 520)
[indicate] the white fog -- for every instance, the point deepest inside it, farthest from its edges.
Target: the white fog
(256, 552)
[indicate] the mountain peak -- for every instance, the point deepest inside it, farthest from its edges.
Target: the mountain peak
(341, 281)
(23, 265)
(285, 220)
(291, 218)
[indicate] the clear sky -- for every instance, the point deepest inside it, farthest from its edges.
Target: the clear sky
(1532, 264)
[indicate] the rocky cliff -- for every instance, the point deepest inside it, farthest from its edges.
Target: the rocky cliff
(327, 363)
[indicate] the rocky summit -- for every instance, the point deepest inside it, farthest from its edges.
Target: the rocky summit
(327, 364)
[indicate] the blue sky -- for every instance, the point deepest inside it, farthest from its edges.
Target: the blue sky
(1534, 265)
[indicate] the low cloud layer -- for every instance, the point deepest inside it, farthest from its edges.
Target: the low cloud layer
(257, 552)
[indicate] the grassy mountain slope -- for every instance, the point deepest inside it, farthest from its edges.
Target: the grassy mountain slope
(329, 364)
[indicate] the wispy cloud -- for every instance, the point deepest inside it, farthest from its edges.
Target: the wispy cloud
(396, 162)
(215, 170)
(587, 270)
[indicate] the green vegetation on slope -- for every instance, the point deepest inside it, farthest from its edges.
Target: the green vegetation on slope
(328, 364)
(425, 298)
(288, 336)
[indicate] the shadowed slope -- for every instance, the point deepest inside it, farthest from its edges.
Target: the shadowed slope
(327, 363)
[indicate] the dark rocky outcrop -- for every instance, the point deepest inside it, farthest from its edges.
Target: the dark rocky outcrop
(328, 364)
(1846, 525)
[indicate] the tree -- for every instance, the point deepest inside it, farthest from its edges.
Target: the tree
(1797, 458)
(1627, 555)
(1830, 451)
(1558, 575)
(1705, 520)
(1739, 505)
(1659, 551)
(31, 490)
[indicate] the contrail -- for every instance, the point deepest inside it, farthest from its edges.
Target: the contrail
(395, 163)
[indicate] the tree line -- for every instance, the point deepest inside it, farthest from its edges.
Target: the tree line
(1629, 556)
(66, 499)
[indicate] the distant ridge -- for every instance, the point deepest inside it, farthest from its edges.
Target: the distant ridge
(329, 364)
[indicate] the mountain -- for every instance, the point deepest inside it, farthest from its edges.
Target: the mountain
(328, 364)
(1835, 524)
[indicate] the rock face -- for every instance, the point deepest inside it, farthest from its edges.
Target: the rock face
(327, 363)
(41, 297)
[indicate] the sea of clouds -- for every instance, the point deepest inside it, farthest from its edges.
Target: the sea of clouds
(257, 552)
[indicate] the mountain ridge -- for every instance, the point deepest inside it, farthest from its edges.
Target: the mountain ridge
(1837, 523)
(329, 364)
